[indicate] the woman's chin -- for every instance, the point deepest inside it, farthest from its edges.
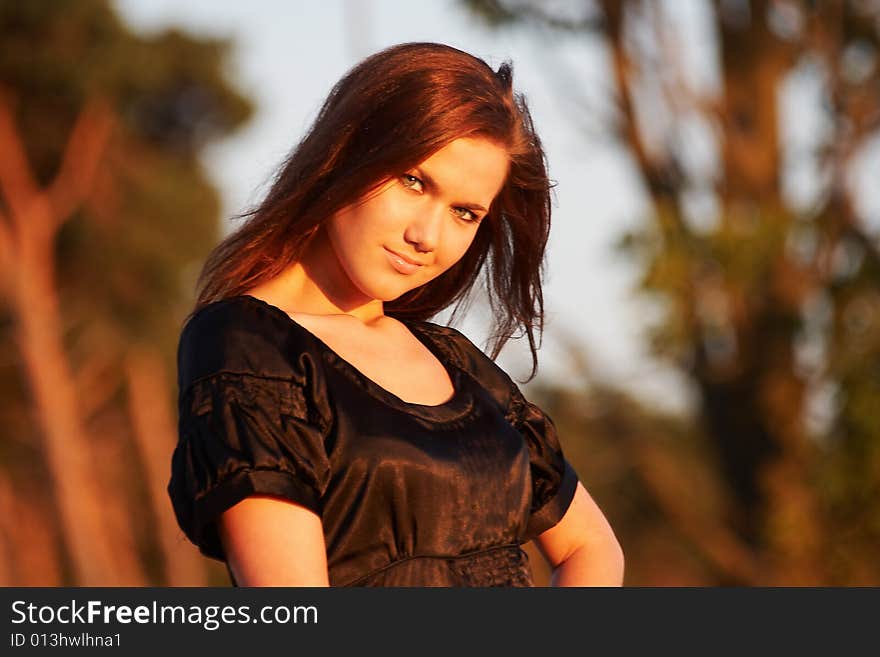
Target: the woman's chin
(392, 296)
(388, 291)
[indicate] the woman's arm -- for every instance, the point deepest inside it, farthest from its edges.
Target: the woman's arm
(582, 548)
(272, 542)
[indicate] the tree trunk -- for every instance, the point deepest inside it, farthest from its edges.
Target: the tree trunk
(35, 216)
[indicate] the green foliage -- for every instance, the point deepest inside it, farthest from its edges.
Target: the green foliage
(154, 215)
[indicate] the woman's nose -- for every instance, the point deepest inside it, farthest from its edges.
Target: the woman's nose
(425, 230)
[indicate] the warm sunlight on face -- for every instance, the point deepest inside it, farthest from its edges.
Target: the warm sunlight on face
(419, 224)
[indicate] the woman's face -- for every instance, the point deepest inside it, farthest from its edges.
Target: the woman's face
(419, 223)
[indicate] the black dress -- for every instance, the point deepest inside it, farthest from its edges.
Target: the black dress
(408, 494)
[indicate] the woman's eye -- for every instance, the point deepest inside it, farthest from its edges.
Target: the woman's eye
(411, 182)
(465, 214)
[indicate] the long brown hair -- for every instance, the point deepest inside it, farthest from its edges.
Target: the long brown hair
(387, 115)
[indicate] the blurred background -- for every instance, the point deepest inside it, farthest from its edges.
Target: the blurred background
(712, 350)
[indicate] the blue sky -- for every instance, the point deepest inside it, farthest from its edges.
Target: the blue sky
(287, 56)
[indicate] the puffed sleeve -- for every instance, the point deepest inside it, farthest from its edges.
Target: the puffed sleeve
(554, 481)
(252, 419)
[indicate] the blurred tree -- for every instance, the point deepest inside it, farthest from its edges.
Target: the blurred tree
(106, 213)
(760, 247)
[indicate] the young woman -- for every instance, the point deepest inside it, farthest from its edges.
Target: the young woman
(329, 433)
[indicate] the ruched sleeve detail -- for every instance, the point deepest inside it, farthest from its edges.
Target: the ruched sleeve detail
(247, 426)
(554, 481)
(242, 435)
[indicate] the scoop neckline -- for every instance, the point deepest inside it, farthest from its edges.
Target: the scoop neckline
(458, 403)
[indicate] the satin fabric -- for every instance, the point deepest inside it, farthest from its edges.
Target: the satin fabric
(408, 494)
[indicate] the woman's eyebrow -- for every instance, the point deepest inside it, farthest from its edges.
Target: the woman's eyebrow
(425, 177)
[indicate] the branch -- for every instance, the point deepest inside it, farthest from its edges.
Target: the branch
(16, 181)
(716, 543)
(75, 178)
(496, 13)
(97, 382)
(661, 178)
(7, 252)
(82, 155)
(828, 35)
(677, 91)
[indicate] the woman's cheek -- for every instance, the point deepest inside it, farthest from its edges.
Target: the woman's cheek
(440, 268)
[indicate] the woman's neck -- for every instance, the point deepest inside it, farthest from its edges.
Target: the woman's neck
(314, 286)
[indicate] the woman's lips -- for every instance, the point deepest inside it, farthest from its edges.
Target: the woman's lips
(400, 264)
